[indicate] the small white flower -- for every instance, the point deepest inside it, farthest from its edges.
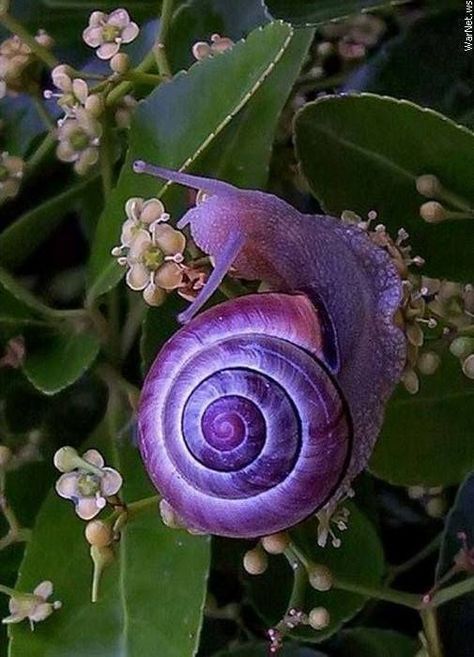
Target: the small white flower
(88, 487)
(79, 139)
(107, 32)
(32, 606)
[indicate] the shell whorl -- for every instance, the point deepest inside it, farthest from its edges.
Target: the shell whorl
(242, 425)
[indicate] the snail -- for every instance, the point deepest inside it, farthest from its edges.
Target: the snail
(261, 410)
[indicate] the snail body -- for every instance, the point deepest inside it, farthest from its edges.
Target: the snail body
(261, 410)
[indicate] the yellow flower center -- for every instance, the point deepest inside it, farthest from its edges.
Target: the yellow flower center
(88, 485)
(79, 140)
(153, 258)
(110, 32)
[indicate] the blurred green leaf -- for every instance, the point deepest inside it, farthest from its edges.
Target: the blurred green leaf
(364, 152)
(371, 642)
(427, 438)
(20, 239)
(151, 597)
(21, 124)
(306, 13)
(17, 304)
(425, 65)
(56, 358)
(170, 130)
(455, 617)
(359, 559)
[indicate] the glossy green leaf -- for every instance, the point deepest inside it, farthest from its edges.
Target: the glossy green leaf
(57, 358)
(364, 152)
(455, 617)
(371, 642)
(151, 597)
(427, 437)
(168, 129)
(425, 65)
(359, 560)
(306, 13)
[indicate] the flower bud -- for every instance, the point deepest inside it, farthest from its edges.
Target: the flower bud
(67, 459)
(44, 39)
(276, 543)
(120, 63)
(462, 347)
(429, 186)
(433, 212)
(468, 367)
(255, 561)
(320, 577)
(416, 492)
(436, 507)
(98, 533)
(428, 362)
(201, 50)
(5, 456)
(94, 105)
(319, 618)
(411, 382)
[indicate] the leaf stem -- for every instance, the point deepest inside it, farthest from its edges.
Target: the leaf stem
(124, 87)
(159, 48)
(410, 600)
(45, 55)
(40, 153)
(452, 592)
(430, 629)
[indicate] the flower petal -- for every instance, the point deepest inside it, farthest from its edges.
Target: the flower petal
(44, 589)
(66, 153)
(128, 231)
(119, 17)
(108, 50)
(93, 36)
(87, 508)
(152, 210)
(130, 33)
(97, 18)
(66, 485)
(111, 482)
(94, 457)
(153, 295)
(137, 277)
(80, 90)
(141, 242)
(133, 208)
(41, 612)
(169, 276)
(169, 240)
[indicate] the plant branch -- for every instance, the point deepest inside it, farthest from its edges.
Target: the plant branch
(160, 47)
(430, 629)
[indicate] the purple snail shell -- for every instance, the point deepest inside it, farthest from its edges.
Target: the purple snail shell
(242, 425)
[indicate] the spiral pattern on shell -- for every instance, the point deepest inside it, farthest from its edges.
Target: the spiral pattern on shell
(243, 427)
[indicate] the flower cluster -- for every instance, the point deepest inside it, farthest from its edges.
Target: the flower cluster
(86, 481)
(218, 44)
(80, 130)
(19, 66)
(151, 250)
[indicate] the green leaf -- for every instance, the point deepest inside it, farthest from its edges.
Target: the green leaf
(20, 239)
(159, 325)
(359, 560)
(455, 617)
(424, 65)
(18, 301)
(57, 358)
(364, 152)
(307, 13)
(151, 597)
(168, 129)
(427, 438)
(368, 642)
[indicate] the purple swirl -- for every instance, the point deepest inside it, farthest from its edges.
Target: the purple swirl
(243, 428)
